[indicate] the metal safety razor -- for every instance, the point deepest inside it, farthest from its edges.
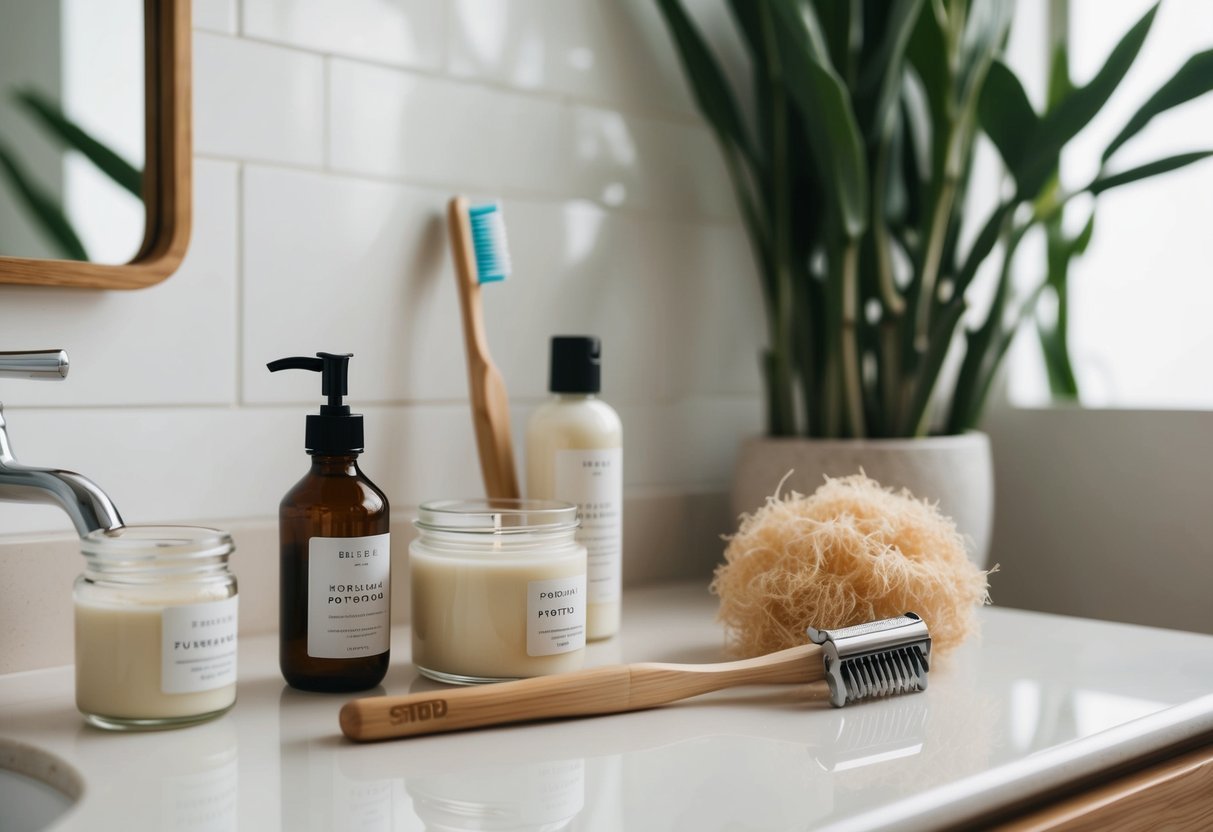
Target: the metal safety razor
(876, 659)
(879, 658)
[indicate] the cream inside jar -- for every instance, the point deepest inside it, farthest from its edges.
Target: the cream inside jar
(498, 590)
(156, 619)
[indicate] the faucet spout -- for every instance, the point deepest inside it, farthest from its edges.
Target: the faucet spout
(86, 504)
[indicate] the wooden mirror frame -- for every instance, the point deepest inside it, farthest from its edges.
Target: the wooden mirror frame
(167, 172)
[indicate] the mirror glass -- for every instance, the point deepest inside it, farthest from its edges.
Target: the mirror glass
(72, 134)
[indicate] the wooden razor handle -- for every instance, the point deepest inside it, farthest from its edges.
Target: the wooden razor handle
(601, 690)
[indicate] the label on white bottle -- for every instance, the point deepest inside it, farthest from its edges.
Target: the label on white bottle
(555, 615)
(198, 646)
(349, 596)
(594, 481)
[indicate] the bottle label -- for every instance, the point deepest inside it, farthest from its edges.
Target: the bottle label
(594, 481)
(349, 597)
(198, 646)
(555, 612)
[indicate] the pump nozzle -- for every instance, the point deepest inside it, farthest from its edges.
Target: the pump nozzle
(334, 379)
(334, 429)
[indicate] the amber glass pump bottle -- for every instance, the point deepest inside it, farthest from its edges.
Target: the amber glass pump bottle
(335, 571)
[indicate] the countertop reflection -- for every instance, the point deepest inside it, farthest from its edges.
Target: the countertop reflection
(1036, 695)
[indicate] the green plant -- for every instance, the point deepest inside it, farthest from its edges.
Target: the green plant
(852, 177)
(44, 208)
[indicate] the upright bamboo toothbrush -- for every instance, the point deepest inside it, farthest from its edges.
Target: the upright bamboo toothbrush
(478, 245)
(880, 658)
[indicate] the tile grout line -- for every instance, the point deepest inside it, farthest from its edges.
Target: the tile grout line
(661, 215)
(400, 514)
(444, 58)
(326, 115)
(566, 102)
(402, 404)
(239, 283)
(441, 73)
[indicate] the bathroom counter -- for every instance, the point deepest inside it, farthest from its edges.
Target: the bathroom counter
(1038, 701)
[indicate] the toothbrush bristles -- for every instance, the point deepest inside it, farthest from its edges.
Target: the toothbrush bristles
(488, 240)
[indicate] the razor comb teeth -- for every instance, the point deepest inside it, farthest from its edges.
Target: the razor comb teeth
(883, 674)
(880, 658)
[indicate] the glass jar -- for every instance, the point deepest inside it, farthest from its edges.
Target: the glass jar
(498, 590)
(155, 627)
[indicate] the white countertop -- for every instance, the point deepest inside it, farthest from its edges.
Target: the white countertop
(1039, 698)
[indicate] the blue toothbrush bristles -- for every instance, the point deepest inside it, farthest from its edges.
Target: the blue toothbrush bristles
(488, 240)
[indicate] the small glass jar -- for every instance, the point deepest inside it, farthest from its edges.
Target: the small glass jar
(498, 590)
(156, 614)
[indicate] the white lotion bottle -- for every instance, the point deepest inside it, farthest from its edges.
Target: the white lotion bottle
(574, 450)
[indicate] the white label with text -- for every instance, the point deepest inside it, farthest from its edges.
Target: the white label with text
(555, 612)
(349, 596)
(594, 481)
(198, 646)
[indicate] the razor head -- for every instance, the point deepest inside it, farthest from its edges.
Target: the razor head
(879, 658)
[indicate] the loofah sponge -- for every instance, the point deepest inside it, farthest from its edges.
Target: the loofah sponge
(850, 553)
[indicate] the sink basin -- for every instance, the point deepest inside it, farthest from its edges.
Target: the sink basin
(36, 787)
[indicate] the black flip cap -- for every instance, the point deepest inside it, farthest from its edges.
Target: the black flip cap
(334, 430)
(576, 364)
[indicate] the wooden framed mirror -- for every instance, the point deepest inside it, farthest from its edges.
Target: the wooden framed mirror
(90, 196)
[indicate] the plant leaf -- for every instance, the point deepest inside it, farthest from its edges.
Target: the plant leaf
(928, 55)
(984, 243)
(1115, 180)
(832, 29)
(986, 26)
(746, 15)
(928, 373)
(1006, 116)
(1077, 109)
(43, 208)
(72, 135)
(1193, 79)
(825, 106)
(916, 107)
(1060, 83)
(997, 353)
(711, 89)
(889, 59)
(1079, 245)
(1063, 384)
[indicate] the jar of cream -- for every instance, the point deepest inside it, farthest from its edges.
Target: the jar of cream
(155, 627)
(498, 590)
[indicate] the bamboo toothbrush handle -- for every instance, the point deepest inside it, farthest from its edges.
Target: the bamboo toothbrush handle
(486, 387)
(602, 690)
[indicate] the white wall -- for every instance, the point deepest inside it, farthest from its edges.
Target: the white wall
(1105, 513)
(328, 136)
(1140, 296)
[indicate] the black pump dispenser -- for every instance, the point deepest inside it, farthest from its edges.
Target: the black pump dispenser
(335, 550)
(333, 431)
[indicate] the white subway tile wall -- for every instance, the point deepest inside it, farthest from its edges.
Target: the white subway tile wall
(172, 344)
(254, 101)
(215, 15)
(328, 137)
(399, 32)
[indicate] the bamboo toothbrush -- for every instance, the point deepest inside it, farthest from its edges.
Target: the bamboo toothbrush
(880, 658)
(478, 245)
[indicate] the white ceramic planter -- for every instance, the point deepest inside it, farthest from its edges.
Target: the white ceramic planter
(955, 471)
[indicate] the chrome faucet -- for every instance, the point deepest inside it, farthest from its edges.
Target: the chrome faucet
(83, 500)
